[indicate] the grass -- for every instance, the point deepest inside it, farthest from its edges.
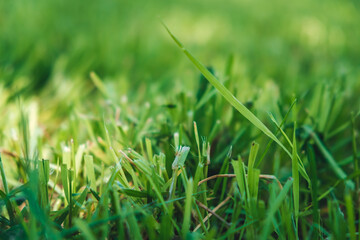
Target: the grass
(110, 134)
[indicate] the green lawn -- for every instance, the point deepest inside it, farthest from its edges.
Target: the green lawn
(179, 120)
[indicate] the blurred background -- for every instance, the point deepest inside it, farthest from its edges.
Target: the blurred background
(292, 43)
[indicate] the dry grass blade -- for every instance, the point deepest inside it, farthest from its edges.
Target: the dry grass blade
(263, 176)
(214, 210)
(213, 213)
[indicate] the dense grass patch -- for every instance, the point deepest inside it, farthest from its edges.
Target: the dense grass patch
(113, 128)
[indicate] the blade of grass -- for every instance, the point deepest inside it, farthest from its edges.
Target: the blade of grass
(98, 83)
(295, 173)
(214, 210)
(78, 158)
(201, 219)
(90, 173)
(224, 169)
(3, 177)
(300, 163)
(277, 131)
(350, 214)
(66, 157)
(116, 203)
(149, 150)
(327, 155)
(44, 167)
(240, 175)
(273, 209)
(355, 154)
(230, 97)
(79, 201)
(9, 207)
(64, 179)
(187, 212)
(253, 186)
(226, 93)
(253, 174)
(354, 148)
(213, 213)
(197, 140)
(314, 188)
(133, 225)
(70, 179)
(84, 228)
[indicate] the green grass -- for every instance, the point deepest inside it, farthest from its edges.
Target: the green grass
(107, 130)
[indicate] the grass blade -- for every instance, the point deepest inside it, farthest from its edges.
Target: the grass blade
(253, 174)
(314, 189)
(327, 155)
(90, 173)
(295, 173)
(240, 174)
(85, 229)
(226, 93)
(3, 177)
(187, 214)
(273, 208)
(229, 96)
(350, 214)
(65, 182)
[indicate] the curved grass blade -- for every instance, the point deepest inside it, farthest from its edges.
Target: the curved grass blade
(300, 163)
(277, 131)
(84, 228)
(231, 98)
(329, 158)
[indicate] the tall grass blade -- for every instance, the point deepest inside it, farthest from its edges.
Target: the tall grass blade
(229, 96)
(240, 174)
(253, 174)
(273, 209)
(187, 212)
(295, 172)
(84, 229)
(3, 177)
(314, 188)
(90, 172)
(350, 214)
(327, 155)
(65, 181)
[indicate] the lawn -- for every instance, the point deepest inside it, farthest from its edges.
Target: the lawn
(179, 120)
